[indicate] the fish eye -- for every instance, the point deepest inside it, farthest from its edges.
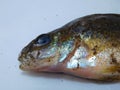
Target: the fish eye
(43, 39)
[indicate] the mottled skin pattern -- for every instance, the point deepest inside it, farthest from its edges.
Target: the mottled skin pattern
(87, 47)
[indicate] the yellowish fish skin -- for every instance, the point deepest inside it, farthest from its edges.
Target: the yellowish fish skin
(87, 47)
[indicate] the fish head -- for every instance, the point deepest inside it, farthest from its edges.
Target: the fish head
(40, 53)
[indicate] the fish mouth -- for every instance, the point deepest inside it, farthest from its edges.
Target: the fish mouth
(23, 63)
(26, 63)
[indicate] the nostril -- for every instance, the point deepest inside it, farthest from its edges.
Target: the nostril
(25, 50)
(28, 48)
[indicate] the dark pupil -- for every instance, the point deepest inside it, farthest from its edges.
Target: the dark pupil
(43, 39)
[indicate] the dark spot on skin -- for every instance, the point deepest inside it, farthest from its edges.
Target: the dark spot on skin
(94, 53)
(113, 59)
(49, 60)
(38, 54)
(76, 67)
(95, 50)
(114, 70)
(31, 56)
(119, 71)
(111, 78)
(28, 63)
(114, 45)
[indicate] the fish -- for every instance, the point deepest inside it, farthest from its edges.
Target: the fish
(87, 47)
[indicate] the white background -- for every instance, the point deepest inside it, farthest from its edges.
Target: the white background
(23, 20)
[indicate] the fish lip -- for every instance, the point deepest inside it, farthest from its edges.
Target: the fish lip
(22, 59)
(21, 56)
(23, 63)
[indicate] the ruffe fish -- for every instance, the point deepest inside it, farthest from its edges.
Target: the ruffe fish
(87, 47)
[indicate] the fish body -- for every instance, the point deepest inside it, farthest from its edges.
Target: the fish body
(87, 47)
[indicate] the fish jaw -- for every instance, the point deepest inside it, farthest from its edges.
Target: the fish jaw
(47, 64)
